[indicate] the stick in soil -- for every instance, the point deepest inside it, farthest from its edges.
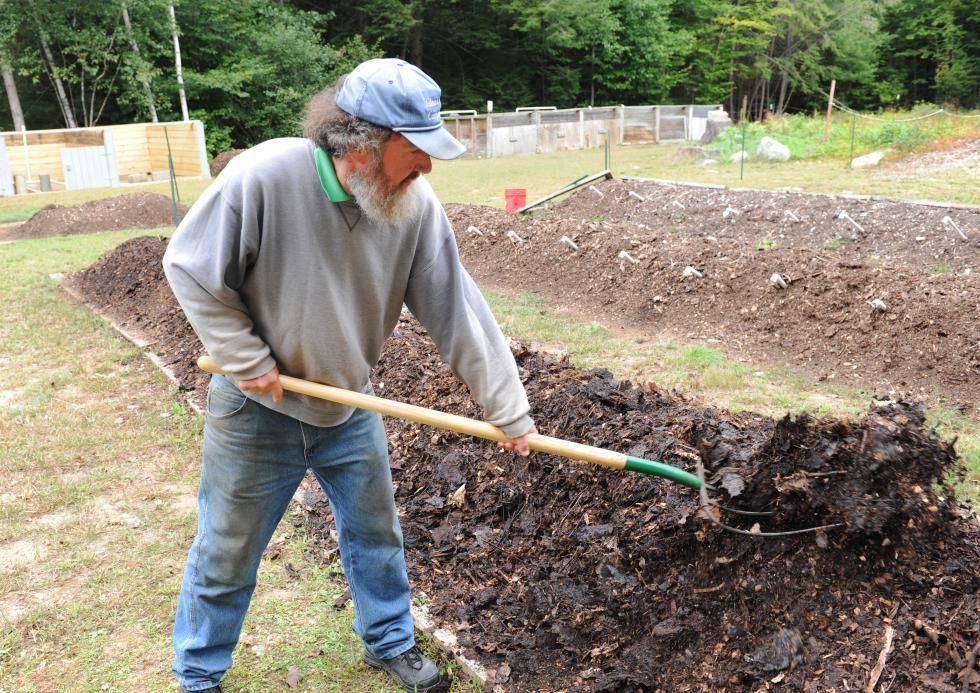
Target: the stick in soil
(880, 665)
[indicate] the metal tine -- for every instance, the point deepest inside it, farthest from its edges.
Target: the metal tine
(706, 501)
(764, 513)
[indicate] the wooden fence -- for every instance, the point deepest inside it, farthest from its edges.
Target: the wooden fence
(37, 160)
(536, 131)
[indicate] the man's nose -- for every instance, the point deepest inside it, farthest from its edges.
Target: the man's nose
(423, 164)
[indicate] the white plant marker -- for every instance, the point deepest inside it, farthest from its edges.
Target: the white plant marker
(792, 216)
(596, 191)
(638, 196)
(473, 229)
(729, 211)
(711, 238)
(625, 257)
(948, 220)
(777, 280)
(691, 272)
(878, 305)
(569, 242)
(678, 204)
(845, 215)
(514, 237)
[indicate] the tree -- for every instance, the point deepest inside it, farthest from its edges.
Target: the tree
(177, 62)
(252, 65)
(931, 52)
(141, 71)
(8, 30)
(641, 61)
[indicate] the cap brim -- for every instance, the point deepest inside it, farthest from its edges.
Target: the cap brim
(437, 143)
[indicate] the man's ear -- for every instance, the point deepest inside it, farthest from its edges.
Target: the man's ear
(357, 159)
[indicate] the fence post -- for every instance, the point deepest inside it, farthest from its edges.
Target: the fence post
(536, 119)
(489, 136)
(689, 122)
(830, 107)
(6, 179)
(741, 162)
(656, 124)
(581, 128)
(202, 148)
(622, 123)
(110, 156)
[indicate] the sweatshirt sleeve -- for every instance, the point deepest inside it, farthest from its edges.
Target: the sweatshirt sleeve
(443, 296)
(206, 262)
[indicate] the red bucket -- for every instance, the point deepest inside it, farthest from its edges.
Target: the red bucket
(515, 198)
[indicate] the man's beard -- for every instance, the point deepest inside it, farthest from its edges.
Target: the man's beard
(382, 203)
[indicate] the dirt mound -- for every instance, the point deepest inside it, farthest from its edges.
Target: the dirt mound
(219, 162)
(924, 343)
(142, 210)
(958, 155)
(561, 575)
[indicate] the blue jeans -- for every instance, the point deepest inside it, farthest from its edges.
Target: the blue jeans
(254, 459)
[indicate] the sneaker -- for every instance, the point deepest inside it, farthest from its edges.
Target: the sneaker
(213, 689)
(411, 669)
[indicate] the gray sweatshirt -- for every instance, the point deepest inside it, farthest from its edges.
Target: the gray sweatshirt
(269, 273)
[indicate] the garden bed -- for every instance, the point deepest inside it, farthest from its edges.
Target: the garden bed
(925, 343)
(557, 575)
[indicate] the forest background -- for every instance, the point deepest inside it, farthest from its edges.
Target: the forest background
(248, 66)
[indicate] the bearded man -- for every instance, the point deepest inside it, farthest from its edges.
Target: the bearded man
(300, 256)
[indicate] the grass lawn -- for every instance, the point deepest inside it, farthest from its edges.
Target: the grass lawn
(99, 463)
(99, 460)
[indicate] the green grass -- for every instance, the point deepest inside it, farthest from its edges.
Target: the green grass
(836, 243)
(804, 135)
(482, 181)
(766, 244)
(941, 267)
(99, 463)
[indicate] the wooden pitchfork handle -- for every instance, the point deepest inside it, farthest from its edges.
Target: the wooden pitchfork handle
(479, 429)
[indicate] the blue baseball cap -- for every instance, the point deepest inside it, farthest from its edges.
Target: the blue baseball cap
(396, 95)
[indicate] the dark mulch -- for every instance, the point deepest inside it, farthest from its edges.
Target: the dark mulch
(559, 575)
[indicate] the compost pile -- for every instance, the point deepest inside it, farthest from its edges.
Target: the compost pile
(559, 575)
(631, 244)
(221, 160)
(142, 210)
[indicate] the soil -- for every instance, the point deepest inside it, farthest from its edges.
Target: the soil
(559, 575)
(142, 210)
(925, 344)
(221, 160)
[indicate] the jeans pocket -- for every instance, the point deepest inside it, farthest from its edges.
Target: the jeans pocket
(224, 398)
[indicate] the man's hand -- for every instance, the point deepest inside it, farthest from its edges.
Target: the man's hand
(520, 446)
(264, 384)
